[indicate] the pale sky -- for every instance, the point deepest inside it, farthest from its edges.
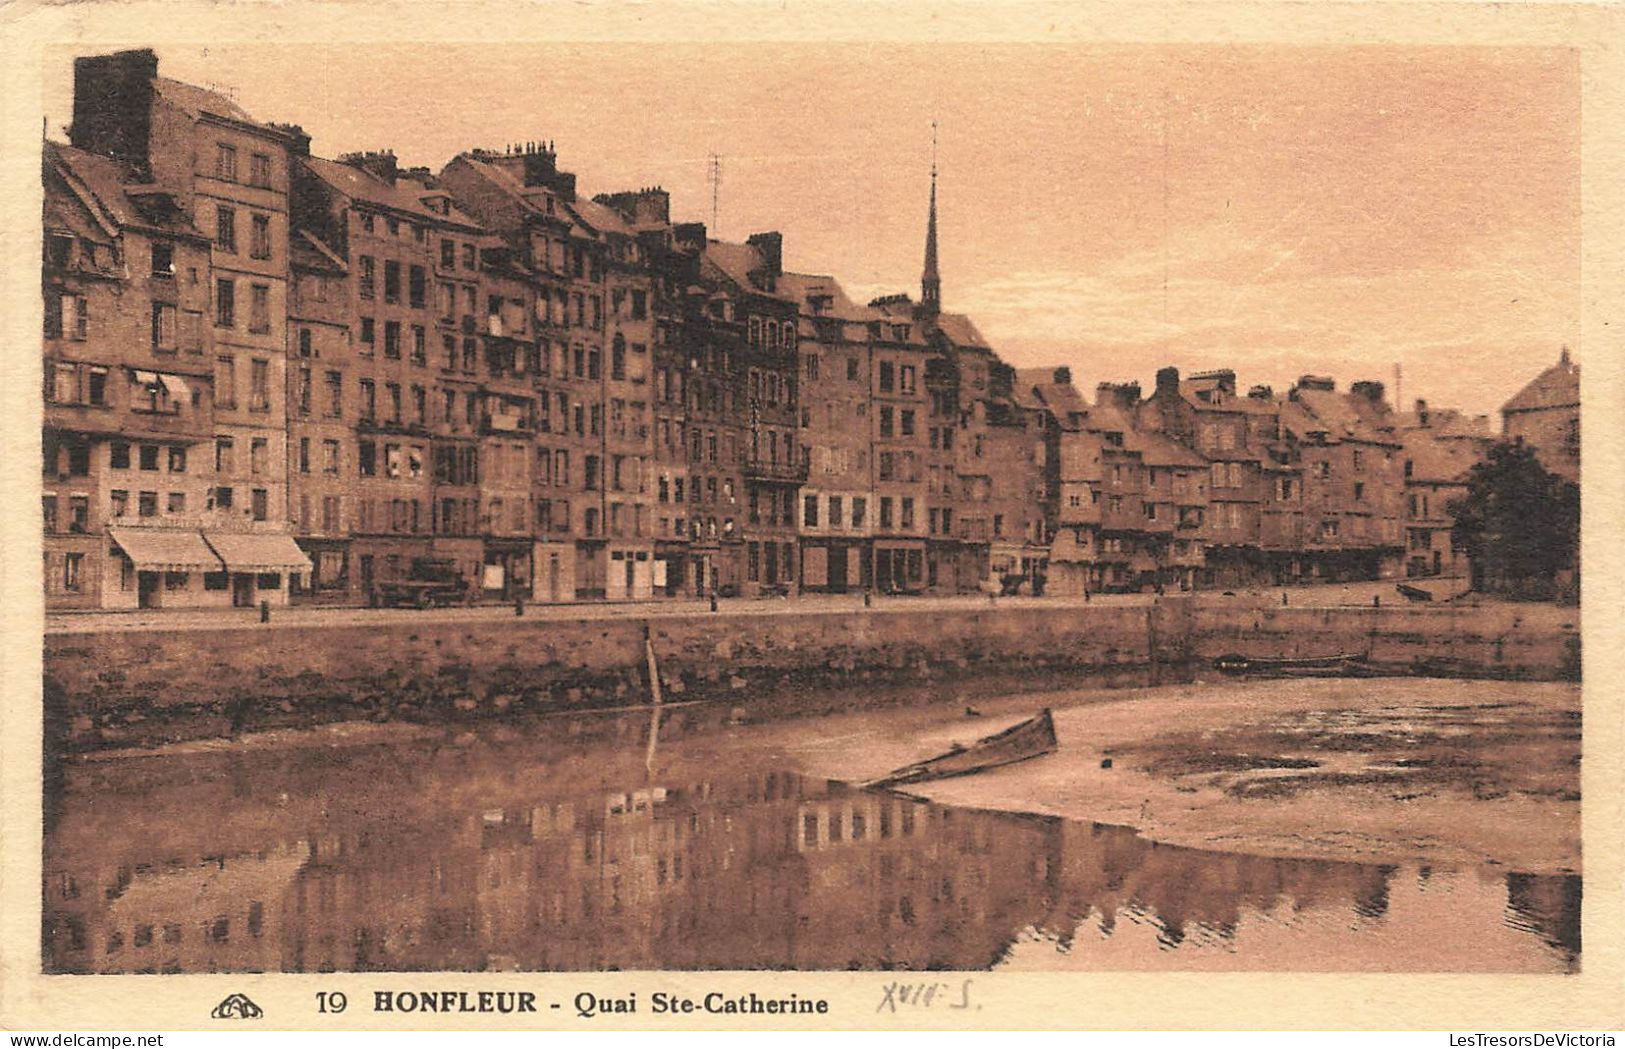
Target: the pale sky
(1278, 210)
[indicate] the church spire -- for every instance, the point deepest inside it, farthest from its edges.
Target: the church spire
(930, 280)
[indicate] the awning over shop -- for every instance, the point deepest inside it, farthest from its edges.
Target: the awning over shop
(166, 549)
(258, 552)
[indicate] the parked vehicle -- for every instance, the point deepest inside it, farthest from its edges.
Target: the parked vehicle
(429, 582)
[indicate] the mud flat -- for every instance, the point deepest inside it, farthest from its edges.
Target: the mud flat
(1400, 770)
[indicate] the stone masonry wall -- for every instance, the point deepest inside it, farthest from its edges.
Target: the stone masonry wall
(141, 687)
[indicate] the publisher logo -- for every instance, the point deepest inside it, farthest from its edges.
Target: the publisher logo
(237, 1007)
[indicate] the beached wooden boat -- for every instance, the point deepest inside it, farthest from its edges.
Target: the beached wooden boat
(1301, 666)
(1025, 739)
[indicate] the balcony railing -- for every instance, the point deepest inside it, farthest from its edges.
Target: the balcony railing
(761, 470)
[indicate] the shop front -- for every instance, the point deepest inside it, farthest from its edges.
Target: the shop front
(259, 566)
(554, 573)
(505, 571)
(163, 568)
(630, 576)
(899, 566)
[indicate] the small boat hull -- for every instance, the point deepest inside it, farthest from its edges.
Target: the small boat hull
(1032, 738)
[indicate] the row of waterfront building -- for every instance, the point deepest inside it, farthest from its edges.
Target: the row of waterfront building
(270, 376)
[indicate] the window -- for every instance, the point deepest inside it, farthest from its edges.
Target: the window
(163, 327)
(330, 457)
(392, 340)
(369, 336)
(448, 255)
(177, 459)
(225, 229)
(470, 259)
(119, 502)
(149, 457)
(392, 280)
(394, 389)
(225, 303)
(905, 379)
(147, 504)
(416, 288)
(335, 394)
(259, 382)
(907, 518)
(886, 376)
(259, 237)
(225, 162)
(258, 455)
(259, 308)
(306, 349)
(907, 420)
(886, 420)
(175, 503)
(163, 258)
(261, 503)
(71, 565)
(224, 457)
(223, 498)
(639, 305)
(885, 511)
(617, 359)
(420, 350)
(367, 459)
(364, 278)
(851, 369)
(259, 170)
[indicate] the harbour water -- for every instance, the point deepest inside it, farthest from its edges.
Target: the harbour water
(548, 845)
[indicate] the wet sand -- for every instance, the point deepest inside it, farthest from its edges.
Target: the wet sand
(1401, 770)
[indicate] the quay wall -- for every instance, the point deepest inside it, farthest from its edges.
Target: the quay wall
(138, 687)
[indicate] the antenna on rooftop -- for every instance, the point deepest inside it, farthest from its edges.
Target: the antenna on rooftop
(714, 176)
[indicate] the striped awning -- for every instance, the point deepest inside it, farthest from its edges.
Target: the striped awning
(258, 552)
(166, 549)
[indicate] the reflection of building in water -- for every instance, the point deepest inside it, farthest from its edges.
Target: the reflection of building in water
(468, 857)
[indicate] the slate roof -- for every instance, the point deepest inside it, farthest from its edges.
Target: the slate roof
(1556, 387)
(120, 203)
(200, 100)
(405, 195)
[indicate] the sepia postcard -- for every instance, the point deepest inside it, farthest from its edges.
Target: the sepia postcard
(810, 515)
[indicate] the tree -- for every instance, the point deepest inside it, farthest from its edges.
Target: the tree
(1519, 523)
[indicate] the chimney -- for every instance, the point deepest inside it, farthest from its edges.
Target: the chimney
(1261, 393)
(1421, 413)
(1168, 382)
(1220, 378)
(1062, 376)
(298, 138)
(771, 246)
(1369, 389)
(380, 163)
(112, 106)
(1317, 382)
(1119, 394)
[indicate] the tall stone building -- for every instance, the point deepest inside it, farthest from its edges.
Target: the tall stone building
(196, 154)
(1545, 415)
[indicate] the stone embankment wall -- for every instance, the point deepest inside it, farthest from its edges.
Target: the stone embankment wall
(137, 687)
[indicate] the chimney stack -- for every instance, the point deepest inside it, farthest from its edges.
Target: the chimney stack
(112, 106)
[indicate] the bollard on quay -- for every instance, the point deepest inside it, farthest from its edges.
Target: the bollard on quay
(265, 611)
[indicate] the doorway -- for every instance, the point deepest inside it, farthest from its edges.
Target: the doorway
(242, 590)
(147, 590)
